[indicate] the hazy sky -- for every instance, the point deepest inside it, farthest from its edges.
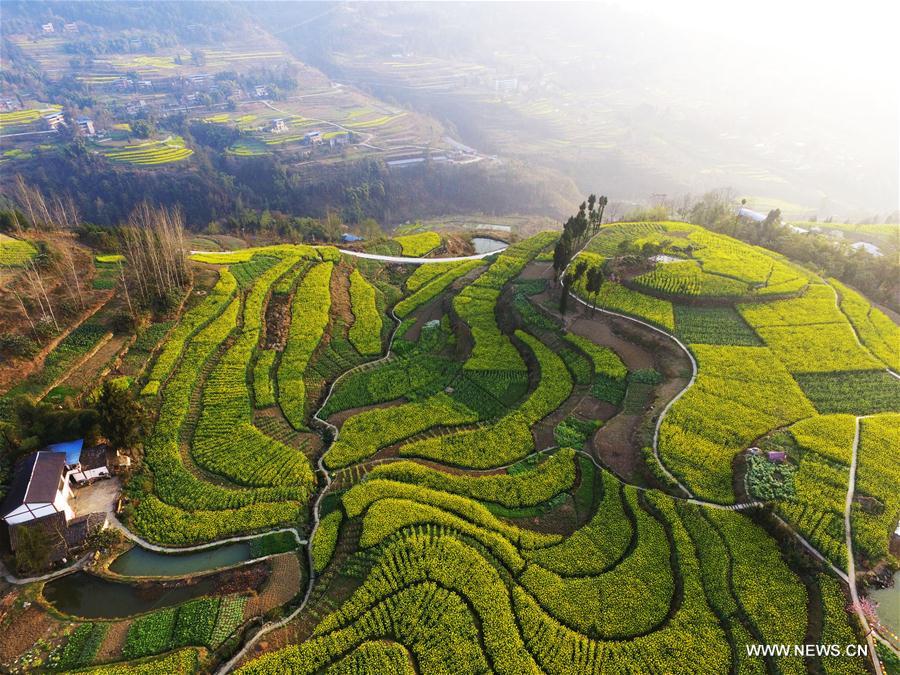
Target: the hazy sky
(857, 37)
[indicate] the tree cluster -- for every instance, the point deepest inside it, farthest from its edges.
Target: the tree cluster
(577, 230)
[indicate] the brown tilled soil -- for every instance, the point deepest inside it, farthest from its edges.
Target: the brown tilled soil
(278, 320)
(114, 642)
(618, 442)
(340, 293)
(427, 312)
(613, 444)
(282, 585)
(88, 371)
(31, 625)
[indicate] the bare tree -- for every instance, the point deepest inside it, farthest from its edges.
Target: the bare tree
(153, 241)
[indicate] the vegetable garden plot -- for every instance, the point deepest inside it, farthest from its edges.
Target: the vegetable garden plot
(858, 393)
(713, 326)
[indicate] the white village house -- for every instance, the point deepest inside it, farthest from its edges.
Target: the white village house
(41, 490)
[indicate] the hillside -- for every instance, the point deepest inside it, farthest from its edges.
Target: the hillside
(466, 480)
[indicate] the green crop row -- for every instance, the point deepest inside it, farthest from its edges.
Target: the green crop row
(620, 299)
(689, 279)
(611, 604)
(492, 349)
(527, 488)
(82, 646)
(415, 375)
(364, 434)
(598, 544)
(690, 635)
(425, 274)
(401, 616)
(433, 288)
(365, 333)
(720, 325)
(509, 439)
(15, 252)
(263, 390)
(190, 624)
(182, 662)
(476, 305)
(167, 524)
(325, 539)
(772, 596)
(226, 442)
(309, 318)
(858, 393)
(606, 361)
(212, 306)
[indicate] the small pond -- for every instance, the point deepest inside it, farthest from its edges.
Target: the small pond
(487, 245)
(888, 600)
(140, 562)
(93, 597)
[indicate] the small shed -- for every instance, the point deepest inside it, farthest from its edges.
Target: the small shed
(63, 538)
(349, 238)
(777, 456)
(71, 449)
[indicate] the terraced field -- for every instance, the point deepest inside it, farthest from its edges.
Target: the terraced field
(15, 252)
(409, 430)
(150, 153)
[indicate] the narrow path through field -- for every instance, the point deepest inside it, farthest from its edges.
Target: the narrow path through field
(402, 260)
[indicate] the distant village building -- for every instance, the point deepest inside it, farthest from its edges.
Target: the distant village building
(312, 137)
(70, 27)
(40, 491)
(54, 120)
(278, 126)
(871, 249)
(755, 216)
(144, 84)
(260, 91)
(86, 126)
(47, 28)
(349, 238)
(506, 85)
(339, 139)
